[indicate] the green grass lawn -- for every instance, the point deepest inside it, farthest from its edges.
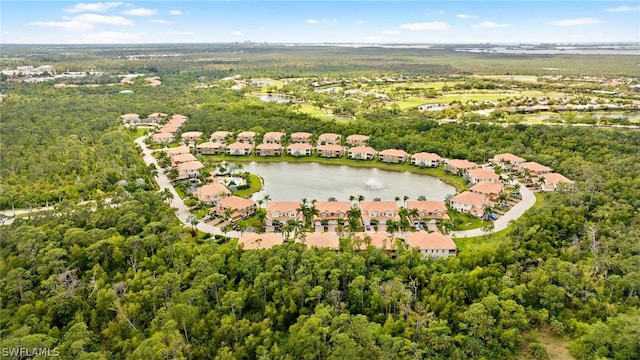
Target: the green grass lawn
(481, 243)
(313, 110)
(466, 221)
(256, 185)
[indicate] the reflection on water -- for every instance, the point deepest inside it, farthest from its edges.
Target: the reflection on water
(293, 182)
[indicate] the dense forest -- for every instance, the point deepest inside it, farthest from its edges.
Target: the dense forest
(127, 280)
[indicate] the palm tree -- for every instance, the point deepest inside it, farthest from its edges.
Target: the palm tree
(392, 227)
(166, 195)
(266, 199)
(312, 211)
(225, 229)
(193, 220)
(360, 199)
(227, 215)
(413, 214)
(242, 227)
(405, 198)
(353, 216)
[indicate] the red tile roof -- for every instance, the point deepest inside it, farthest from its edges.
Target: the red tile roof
(426, 156)
(253, 241)
(430, 241)
(327, 240)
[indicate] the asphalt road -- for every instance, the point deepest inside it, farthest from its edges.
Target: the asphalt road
(528, 199)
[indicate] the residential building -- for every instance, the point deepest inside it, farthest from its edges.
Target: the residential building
(178, 119)
(393, 156)
(280, 212)
(269, 149)
(177, 150)
(556, 182)
(380, 211)
(211, 193)
(321, 240)
(357, 140)
(299, 149)
(182, 158)
(239, 149)
(240, 208)
(330, 151)
(247, 137)
(156, 117)
(488, 189)
(469, 203)
(459, 167)
(428, 211)
(163, 138)
(507, 161)
(331, 212)
(191, 136)
(273, 137)
(329, 139)
(425, 159)
(361, 153)
(301, 137)
(476, 176)
(130, 118)
(191, 169)
(434, 245)
(253, 241)
(210, 148)
(170, 128)
(220, 136)
(534, 169)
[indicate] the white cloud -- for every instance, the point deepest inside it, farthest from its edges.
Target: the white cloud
(623, 8)
(175, 12)
(490, 24)
(391, 32)
(140, 12)
(94, 7)
(434, 25)
(102, 19)
(65, 25)
(374, 38)
(311, 21)
(109, 37)
(578, 37)
(575, 22)
(329, 21)
(359, 22)
(466, 16)
(236, 33)
(161, 21)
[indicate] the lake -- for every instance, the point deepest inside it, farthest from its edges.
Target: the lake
(292, 182)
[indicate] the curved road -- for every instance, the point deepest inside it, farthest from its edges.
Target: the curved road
(528, 199)
(183, 214)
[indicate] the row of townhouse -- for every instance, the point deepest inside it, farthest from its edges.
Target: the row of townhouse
(337, 212)
(487, 185)
(187, 165)
(531, 170)
(167, 133)
(430, 245)
(134, 119)
(393, 156)
(276, 137)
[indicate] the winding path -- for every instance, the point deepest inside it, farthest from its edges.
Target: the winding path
(528, 199)
(182, 212)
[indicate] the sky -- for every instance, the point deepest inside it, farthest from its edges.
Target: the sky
(305, 21)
